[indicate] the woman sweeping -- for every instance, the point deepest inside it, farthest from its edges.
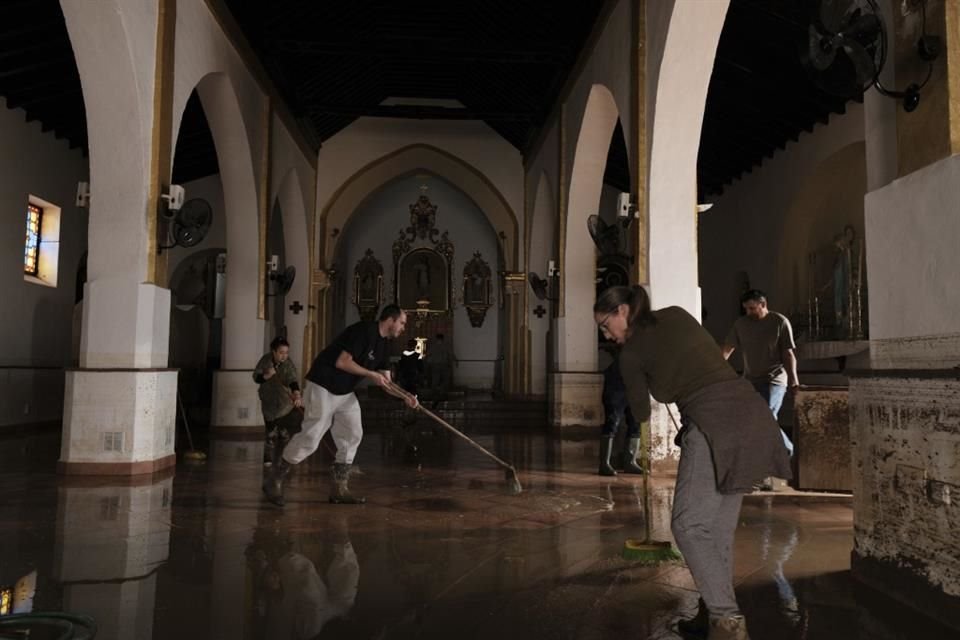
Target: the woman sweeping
(729, 441)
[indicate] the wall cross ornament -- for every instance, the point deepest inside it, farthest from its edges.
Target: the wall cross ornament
(539, 311)
(296, 307)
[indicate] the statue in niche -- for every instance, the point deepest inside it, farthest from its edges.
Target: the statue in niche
(476, 289)
(846, 277)
(421, 271)
(368, 286)
(423, 277)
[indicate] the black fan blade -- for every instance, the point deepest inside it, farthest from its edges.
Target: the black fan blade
(538, 285)
(833, 14)
(864, 29)
(605, 237)
(821, 51)
(863, 64)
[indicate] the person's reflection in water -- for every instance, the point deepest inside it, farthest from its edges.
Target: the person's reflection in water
(293, 600)
(788, 599)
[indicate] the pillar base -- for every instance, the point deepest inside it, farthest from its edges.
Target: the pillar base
(575, 399)
(899, 580)
(236, 405)
(118, 421)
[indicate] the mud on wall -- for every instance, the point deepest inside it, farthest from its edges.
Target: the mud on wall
(905, 434)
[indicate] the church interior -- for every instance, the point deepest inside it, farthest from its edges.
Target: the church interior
(199, 177)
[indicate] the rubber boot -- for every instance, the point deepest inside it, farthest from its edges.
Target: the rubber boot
(729, 628)
(341, 490)
(270, 449)
(697, 626)
(606, 449)
(274, 480)
(630, 457)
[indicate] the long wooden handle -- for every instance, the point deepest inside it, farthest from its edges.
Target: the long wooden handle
(396, 391)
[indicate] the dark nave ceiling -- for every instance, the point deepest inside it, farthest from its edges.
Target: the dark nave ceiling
(505, 61)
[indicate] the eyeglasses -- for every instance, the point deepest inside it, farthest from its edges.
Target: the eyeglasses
(603, 323)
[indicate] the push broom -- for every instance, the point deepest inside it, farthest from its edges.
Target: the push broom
(648, 550)
(191, 454)
(513, 481)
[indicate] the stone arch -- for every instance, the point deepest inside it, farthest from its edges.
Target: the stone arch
(242, 329)
(294, 210)
(404, 161)
(681, 94)
(577, 344)
(119, 147)
(542, 248)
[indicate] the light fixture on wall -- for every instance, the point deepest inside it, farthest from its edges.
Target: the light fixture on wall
(83, 195)
(704, 207)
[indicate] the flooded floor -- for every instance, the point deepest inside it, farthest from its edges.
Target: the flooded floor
(440, 550)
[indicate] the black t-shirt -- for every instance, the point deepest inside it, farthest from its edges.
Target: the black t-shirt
(368, 349)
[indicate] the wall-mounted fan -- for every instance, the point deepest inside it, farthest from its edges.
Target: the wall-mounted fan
(608, 238)
(190, 224)
(846, 49)
(540, 286)
(283, 280)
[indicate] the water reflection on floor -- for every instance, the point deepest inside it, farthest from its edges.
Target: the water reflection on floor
(440, 550)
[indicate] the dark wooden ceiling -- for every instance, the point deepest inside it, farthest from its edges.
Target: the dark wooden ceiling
(760, 97)
(506, 61)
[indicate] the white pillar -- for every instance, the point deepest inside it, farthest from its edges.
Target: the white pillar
(120, 404)
(235, 402)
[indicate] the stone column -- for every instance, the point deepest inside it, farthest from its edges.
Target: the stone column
(514, 352)
(904, 408)
(119, 409)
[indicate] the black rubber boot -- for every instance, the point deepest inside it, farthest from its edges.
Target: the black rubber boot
(341, 489)
(270, 450)
(630, 457)
(270, 453)
(274, 480)
(606, 449)
(697, 626)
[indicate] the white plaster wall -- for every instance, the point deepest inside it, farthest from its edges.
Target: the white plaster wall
(235, 106)
(576, 337)
(681, 91)
(914, 219)
(369, 139)
(116, 66)
(375, 225)
(542, 250)
(202, 48)
(293, 186)
(37, 322)
(609, 65)
(744, 231)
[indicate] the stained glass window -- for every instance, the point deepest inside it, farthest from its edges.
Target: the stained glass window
(31, 251)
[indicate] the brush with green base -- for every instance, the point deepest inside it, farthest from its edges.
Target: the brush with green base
(647, 550)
